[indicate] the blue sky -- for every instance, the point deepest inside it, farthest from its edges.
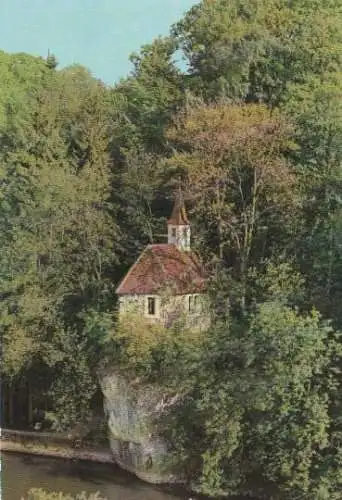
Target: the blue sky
(99, 34)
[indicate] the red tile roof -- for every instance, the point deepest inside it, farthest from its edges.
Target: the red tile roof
(161, 267)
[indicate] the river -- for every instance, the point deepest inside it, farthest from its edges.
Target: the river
(21, 472)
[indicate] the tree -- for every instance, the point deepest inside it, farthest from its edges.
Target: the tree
(316, 110)
(257, 50)
(152, 93)
(51, 61)
(241, 185)
(257, 419)
(58, 232)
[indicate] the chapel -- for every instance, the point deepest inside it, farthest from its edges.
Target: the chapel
(167, 281)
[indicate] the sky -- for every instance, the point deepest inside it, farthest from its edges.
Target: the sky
(99, 34)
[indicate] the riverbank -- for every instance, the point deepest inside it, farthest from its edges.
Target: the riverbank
(21, 472)
(52, 445)
(86, 469)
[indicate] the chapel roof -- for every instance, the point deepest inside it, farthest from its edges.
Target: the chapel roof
(179, 216)
(164, 267)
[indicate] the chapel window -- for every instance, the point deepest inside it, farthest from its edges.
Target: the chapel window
(151, 306)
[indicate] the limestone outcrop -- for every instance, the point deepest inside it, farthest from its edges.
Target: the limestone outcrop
(131, 409)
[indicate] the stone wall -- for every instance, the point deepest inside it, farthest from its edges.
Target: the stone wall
(51, 444)
(169, 308)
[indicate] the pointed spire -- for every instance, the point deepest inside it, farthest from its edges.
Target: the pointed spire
(179, 216)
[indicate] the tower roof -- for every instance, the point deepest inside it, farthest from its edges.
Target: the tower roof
(179, 216)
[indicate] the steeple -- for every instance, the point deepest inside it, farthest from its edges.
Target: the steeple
(178, 226)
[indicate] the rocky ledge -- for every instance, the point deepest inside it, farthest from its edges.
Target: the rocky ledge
(131, 409)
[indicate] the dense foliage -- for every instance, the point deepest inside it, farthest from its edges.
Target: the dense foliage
(253, 128)
(38, 494)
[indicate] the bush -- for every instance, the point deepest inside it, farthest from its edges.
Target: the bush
(39, 494)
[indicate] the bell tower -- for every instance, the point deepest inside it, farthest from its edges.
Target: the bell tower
(178, 226)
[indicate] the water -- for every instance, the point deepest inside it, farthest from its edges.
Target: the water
(22, 472)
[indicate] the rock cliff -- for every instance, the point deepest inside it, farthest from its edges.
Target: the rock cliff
(131, 409)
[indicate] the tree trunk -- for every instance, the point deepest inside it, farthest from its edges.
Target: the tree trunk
(243, 286)
(10, 406)
(3, 406)
(29, 404)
